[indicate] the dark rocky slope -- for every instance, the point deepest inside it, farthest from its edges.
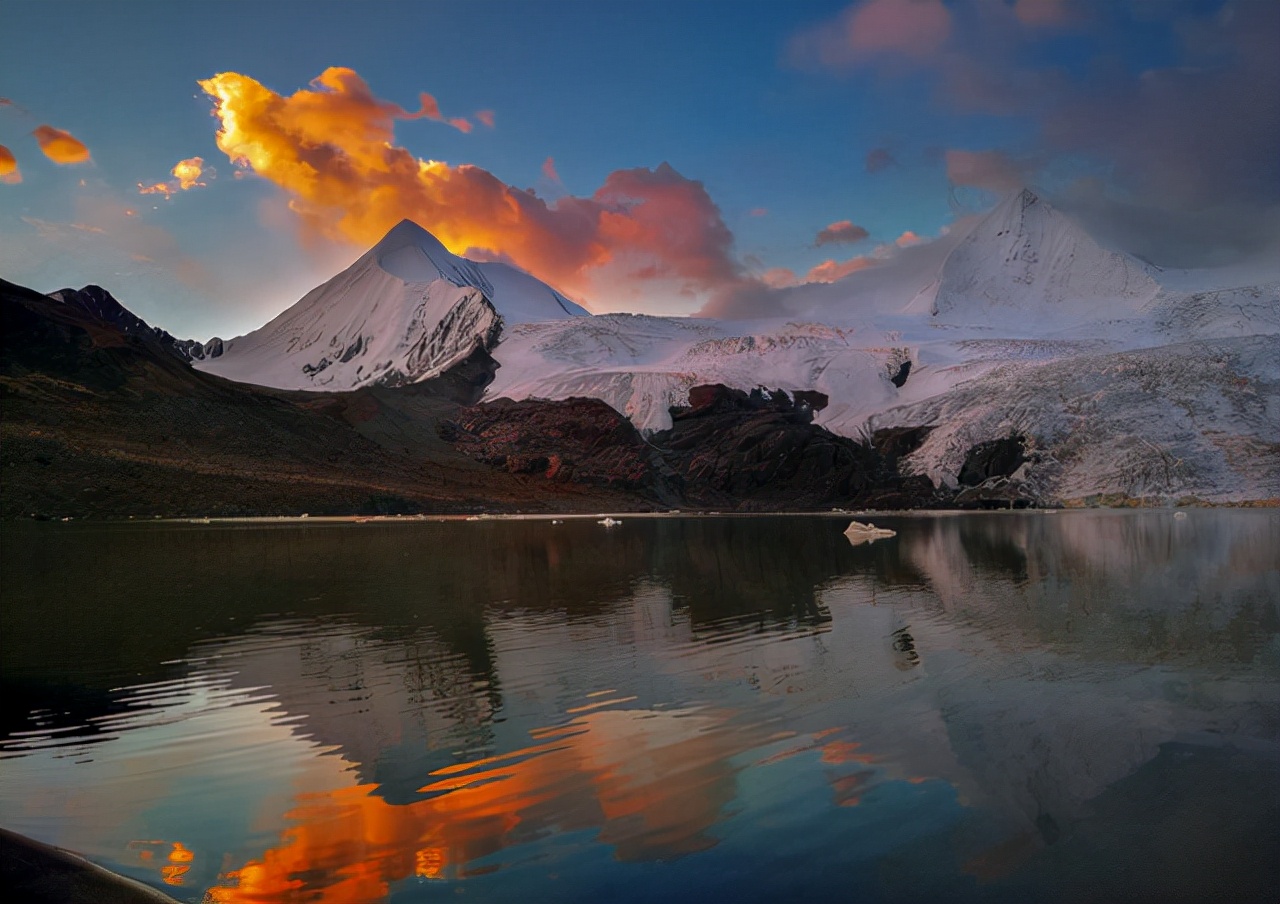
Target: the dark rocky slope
(104, 417)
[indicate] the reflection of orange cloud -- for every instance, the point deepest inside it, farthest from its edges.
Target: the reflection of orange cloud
(652, 783)
(60, 146)
(9, 172)
(331, 148)
(186, 176)
(179, 864)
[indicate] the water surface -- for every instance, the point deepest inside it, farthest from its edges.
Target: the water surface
(997, 707)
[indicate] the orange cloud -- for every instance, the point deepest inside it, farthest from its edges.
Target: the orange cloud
(9, 172)
(549, 170)
(485, 117)
(188, 171)
(331, 149)
(840, 232)
(430, 108)
(907, 239)
(186, 176)
(61, 147)
(912, 29)
(758, 212)
(830, 271)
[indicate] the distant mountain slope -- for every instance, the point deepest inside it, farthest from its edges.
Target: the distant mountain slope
(406, 311)
(1026, 267)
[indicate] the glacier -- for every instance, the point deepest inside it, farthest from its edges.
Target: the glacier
(1126, 379)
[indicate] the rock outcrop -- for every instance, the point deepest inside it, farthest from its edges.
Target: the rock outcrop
(576, 440)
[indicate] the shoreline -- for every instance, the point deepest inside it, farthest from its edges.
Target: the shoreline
(41, 873)
(620, 514)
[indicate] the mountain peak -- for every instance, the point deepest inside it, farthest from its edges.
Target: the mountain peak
(406, 310)
(407, 233)
(406, 228)
(1025, 256)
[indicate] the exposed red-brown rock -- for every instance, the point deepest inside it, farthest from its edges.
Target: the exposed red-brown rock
(575, 440)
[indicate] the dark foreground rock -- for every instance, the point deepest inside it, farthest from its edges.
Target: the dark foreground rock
(994, 458)
(727, 449)
(36, 873)
(989, 477)
(576, 440)
(760, 449)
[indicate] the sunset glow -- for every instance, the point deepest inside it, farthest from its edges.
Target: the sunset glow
(332, 149)
(723, 182)
(61, 147)
(186, 176)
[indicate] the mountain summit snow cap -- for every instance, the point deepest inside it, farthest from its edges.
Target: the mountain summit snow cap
(412, 254)
(406, 311)
(1026, 258)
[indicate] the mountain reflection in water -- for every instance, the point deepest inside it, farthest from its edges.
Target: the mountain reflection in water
(986, 707)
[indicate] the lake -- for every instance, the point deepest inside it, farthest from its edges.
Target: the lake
(1068, 706)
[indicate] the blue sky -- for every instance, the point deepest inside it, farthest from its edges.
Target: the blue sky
(1155, 123)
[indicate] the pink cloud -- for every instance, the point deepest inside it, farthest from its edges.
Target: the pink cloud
(911, 29)
(992, 170)
(779, 278)
(485, 117)
(549, 170)
(829, 271)
(1043, 13)
(841, 232)
(758, 212)
(907, 239)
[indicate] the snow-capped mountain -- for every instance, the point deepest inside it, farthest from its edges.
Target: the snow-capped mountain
(1026, 261)
(407, 310)
(1127, 379)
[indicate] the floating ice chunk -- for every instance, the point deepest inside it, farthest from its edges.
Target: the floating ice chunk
(609, 522)
(859, 533)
